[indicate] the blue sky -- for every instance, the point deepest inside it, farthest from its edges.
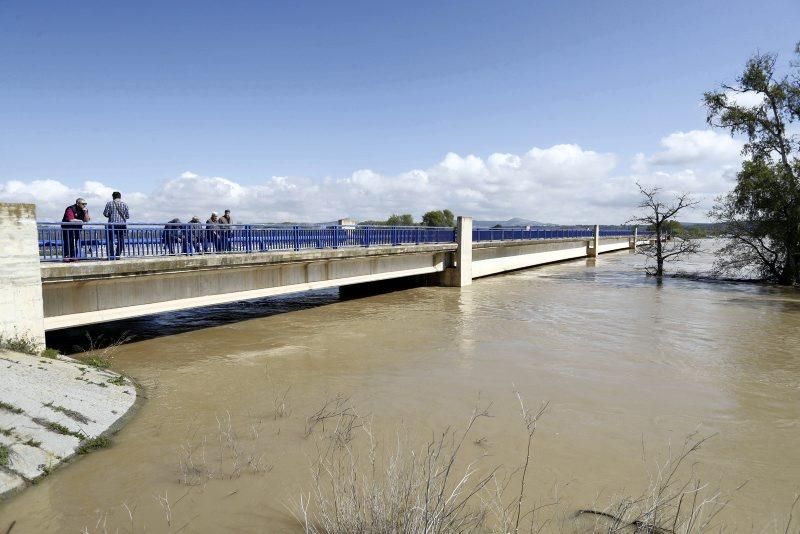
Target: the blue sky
(311, 110)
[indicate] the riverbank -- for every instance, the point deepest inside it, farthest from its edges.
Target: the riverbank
(52, 409)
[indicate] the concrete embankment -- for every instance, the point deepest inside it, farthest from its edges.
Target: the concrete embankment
(52, 409)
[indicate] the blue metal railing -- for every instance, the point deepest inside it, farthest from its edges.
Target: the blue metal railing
(547, 232)
(90, 241)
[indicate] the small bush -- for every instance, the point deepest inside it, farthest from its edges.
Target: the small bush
(93, 444)
(117, 380)
(49, 353)
(20, 343)
(95, 360)
(5, 455)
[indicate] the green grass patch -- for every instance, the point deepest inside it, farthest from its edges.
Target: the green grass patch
(72, 414)
(49, 353)
(100, 442)
(58, 428)
(33, 443)
(5, 455)
(9, 407)
(7, 432)
(117, 380)
(95, 360)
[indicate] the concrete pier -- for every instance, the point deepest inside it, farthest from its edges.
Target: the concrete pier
(460, 273)
(20, 274)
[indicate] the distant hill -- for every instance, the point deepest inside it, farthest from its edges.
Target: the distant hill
(511, 223)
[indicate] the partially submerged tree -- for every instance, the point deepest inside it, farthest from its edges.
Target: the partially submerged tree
(659, 216)
(762, 214)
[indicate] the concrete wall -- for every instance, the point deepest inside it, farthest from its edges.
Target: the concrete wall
(94, 295)
(20, 275)
(498, 257)
(91, 292)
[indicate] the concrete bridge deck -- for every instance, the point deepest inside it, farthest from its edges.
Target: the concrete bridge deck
(51, 296)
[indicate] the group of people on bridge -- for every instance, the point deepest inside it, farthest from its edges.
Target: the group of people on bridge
(177, 237)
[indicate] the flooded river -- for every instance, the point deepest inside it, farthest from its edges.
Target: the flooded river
(629, 369)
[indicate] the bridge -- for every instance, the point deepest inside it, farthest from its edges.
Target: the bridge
(56, 275)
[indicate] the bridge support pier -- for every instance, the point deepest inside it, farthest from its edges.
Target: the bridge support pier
(593, 250)
(460, 274)
(20, 275)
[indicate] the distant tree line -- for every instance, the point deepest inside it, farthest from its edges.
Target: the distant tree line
(431, 218)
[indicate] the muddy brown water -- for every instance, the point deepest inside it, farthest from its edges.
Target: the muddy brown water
(629, 369)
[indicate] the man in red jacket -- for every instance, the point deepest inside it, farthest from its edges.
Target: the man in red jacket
(71, 225)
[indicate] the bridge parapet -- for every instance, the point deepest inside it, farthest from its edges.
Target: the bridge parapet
(168, 268)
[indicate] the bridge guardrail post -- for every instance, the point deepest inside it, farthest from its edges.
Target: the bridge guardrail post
(296, 237)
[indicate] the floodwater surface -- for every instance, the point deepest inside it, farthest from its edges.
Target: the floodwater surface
(629, 368)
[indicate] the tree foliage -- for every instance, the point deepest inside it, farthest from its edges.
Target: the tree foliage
(762, 214)
(439, 218)
(659, 216)
(405, 219)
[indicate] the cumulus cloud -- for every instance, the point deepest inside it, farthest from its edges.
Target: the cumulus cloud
(563, 184)
(697, 146)
(748, 99)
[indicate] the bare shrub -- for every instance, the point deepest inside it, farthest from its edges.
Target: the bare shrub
(338, 409)
(223, 458)
(100, 351)
(430, 488)
(673, 503)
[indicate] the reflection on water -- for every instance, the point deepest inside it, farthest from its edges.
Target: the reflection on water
(629, 368)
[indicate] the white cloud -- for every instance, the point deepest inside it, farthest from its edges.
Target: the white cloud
(697, 146)
(563, 183)
(749, 99)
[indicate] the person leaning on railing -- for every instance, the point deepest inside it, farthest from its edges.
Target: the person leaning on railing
(71, 226)
(172, 236)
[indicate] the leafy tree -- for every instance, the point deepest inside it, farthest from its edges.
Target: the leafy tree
(439, 218)
(405, 219)
(660, 217)
(762, 214)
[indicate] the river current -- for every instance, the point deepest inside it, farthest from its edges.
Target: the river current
(629, 369)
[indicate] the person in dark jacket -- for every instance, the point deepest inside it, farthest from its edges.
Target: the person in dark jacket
(226, 233)
(213, 232)
(172, 236)
(71, 224)
(193, 236)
